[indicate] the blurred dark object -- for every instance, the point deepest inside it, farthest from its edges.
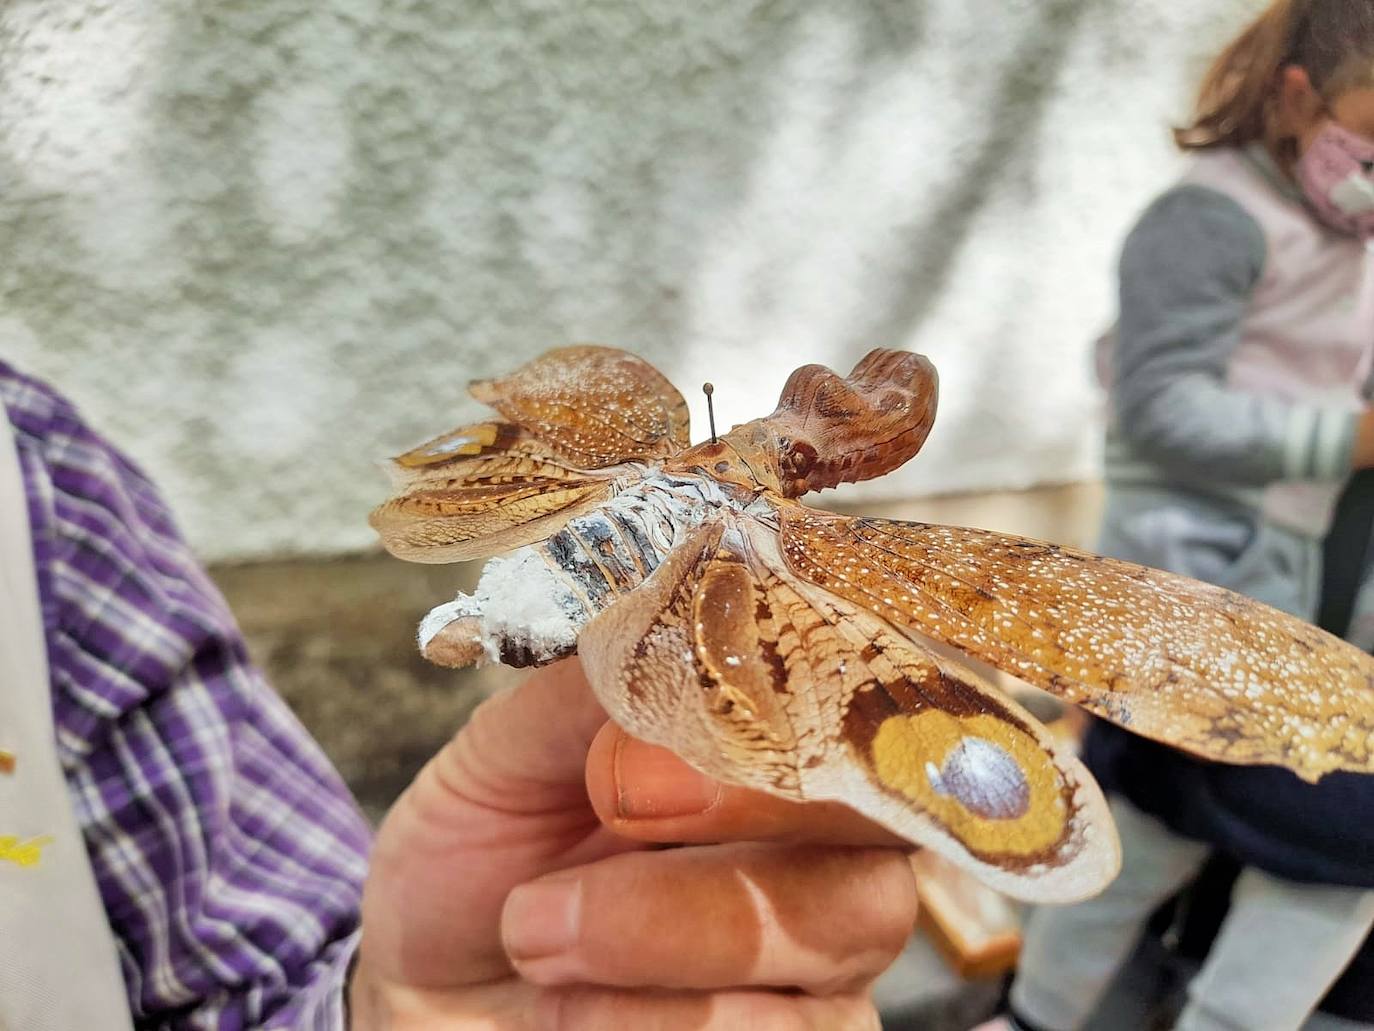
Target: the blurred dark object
(1345, 553)
(1044, 706)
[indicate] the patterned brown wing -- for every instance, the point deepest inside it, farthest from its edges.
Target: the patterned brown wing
(762, 681)
(481, 490)
(1186, 663)
(596, 406)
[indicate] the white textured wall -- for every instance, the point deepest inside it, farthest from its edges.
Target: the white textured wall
(265, 241)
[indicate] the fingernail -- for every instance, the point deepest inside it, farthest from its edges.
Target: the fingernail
(542, 919)
(653, 784)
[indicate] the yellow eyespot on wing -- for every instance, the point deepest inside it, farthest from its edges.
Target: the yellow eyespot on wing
(989, 781)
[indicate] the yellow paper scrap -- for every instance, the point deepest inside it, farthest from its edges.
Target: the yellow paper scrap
(23, 853)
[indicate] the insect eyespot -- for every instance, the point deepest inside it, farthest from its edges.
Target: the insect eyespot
(722, 467)
(1367, 166)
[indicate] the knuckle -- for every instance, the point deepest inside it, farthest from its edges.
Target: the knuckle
(573, 1009)
(888, 900)
(879, 922)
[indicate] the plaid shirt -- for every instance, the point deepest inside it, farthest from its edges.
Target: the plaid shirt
(228, 854)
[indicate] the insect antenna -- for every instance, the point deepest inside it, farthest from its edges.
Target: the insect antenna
(708, 390)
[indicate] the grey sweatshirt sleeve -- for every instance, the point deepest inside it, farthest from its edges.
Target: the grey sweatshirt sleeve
(1188, 271)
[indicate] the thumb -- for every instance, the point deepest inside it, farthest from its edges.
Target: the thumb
(503, 802)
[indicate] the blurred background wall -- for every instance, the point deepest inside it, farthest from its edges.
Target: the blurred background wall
(264, 242)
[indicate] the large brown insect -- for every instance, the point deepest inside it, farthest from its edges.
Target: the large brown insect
(785, 649)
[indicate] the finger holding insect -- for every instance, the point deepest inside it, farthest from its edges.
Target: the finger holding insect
(646, 793)
(821, 919)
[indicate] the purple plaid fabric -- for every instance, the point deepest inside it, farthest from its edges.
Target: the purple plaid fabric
(229, 855)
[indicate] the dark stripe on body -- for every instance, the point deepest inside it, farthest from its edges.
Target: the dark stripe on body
(583, 575)
(632, 532)
(602, 543)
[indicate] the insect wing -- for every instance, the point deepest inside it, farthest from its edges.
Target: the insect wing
(1186, 663)
(481, 490)
(596, 406)
(765, 682)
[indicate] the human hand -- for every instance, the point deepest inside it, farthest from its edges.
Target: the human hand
(514, 885)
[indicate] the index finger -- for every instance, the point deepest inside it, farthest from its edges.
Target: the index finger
(646, 793)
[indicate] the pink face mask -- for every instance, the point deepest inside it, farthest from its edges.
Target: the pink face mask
(1337, 175)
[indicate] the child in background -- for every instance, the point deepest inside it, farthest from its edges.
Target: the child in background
(1237, 383)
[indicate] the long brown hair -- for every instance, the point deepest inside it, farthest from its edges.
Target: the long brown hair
(1332, 39)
